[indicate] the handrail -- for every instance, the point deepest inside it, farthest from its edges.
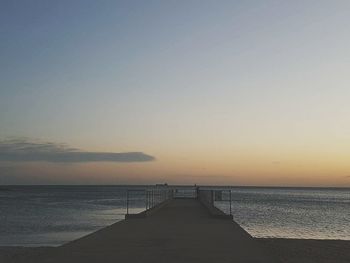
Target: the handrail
(208, 197)
(185, 192)
(150, 197)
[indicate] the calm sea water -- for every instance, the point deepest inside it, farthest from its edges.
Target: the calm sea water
(292, 212)
(53, 215)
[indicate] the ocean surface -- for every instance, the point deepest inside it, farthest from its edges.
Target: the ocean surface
(53, 215)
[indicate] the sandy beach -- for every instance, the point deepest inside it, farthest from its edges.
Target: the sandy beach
(286, 250)
(22, 254)
(308, 250)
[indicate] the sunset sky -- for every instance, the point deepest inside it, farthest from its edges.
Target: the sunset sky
(184, 92)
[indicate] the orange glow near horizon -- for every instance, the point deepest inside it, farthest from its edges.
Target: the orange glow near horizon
(257, 171)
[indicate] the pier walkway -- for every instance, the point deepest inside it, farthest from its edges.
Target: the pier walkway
(182, 230)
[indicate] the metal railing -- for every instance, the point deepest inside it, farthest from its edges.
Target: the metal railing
(190, 192)
(138, 200)
(157, 196)
(213, 196)
(145, 199)
(135, 200)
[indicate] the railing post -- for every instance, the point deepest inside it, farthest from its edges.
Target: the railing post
(212, 197)
(230, 202)
(146, 199)
(152, 196)
(127, 201)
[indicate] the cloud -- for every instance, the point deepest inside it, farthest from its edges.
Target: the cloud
(23, 150)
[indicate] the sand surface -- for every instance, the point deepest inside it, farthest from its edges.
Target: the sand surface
(21, 254)
(286, 250)
(308, 250)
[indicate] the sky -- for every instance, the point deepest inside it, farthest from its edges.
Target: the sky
(183, 92)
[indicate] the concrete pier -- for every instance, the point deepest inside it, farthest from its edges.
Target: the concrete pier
(182, 230)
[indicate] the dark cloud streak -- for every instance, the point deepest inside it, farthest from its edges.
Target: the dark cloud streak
(26, 151)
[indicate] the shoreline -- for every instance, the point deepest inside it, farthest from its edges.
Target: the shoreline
(284, 249)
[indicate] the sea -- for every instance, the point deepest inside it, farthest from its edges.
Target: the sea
(54, 215)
